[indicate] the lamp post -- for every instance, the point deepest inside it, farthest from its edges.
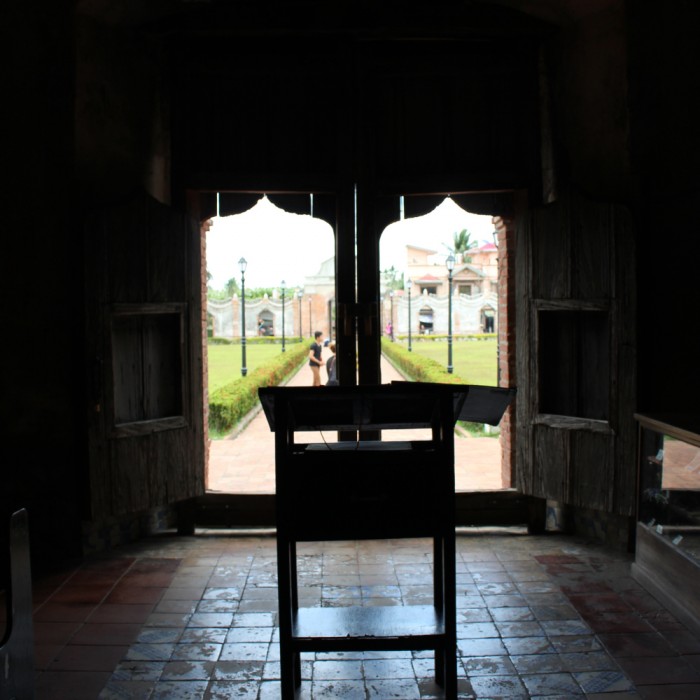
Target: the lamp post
(300, 294)
(242, 264)
(330, 319)
(450, 262)
(311, 333)
(391, 315)
(408, 282)
(284, 287)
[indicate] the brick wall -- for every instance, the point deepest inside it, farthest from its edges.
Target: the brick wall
(505, 237)
(204, 227)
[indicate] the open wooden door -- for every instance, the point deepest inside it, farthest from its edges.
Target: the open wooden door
(146, 441)
(575, 308)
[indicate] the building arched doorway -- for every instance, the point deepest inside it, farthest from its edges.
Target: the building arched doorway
(266, 322)
(425, 321)
(488, 319)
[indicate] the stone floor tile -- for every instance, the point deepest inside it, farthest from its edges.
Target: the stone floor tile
(520, 603)
(510, 686)
(489, 666)
(563, 684)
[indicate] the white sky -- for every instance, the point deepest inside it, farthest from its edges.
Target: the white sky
(434, 231)
(280, 246)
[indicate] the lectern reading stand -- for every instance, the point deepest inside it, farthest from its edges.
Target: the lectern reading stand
(374, 489)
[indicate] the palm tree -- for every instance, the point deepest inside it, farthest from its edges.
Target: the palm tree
(231, 287)
(462, 243)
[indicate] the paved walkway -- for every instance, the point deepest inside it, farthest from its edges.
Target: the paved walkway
(245, 461)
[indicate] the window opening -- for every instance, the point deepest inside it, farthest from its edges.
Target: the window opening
(275, 302)
(574, 367)
(415, 305)
(146, 347)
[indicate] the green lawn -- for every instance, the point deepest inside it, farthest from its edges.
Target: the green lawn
(225, 361)
(475, 361)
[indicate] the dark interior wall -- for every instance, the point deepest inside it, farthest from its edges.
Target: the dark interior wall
(77, 134)
(42, 446)
(587, 64)
(259, 113)
(625, 112)
(664, 55)
(85, 120)
(122, 113)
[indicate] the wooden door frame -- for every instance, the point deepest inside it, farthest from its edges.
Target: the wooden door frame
(505, 507)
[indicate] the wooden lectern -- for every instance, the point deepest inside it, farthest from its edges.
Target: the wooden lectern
(370, 489)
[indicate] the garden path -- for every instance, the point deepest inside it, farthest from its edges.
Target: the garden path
(244, 462)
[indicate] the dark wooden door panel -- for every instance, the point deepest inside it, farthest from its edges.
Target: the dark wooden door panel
(146, 418)
(576, 371)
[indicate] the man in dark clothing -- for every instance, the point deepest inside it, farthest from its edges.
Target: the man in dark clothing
(315, 360)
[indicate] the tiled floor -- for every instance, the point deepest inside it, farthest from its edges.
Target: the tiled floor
(188, 618)
(195, 617)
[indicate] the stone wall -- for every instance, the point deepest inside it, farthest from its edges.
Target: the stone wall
(467, 312)
(313, 309)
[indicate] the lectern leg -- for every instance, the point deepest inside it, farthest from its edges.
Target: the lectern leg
(290, 665)
(293, 575)
(295, 605)
(438, 573)
(450, 610)
(444, 596)
(439, 603)
(440, 667)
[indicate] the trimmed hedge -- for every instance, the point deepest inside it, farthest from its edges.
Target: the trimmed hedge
(442, 337)
(230, 403)
(417, 367)
(423, 369)
(255, 340)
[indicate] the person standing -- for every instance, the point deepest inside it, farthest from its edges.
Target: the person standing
(315, 361)
(330, 367)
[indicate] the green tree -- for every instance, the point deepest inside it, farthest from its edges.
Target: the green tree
(392, 279)
(462, 243)
(214, 294)
(258, 292)
(217, 294)
(231, 287)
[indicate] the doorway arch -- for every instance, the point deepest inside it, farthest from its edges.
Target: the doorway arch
(266, 322)
(425, 320)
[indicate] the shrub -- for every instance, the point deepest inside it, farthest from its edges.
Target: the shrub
(254, 340)
(416, 367)
(422, 369)
(442, 337)
(230, 403)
